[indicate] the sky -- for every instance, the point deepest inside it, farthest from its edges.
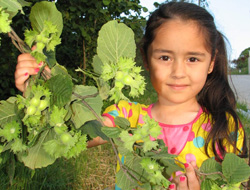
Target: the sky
(232, 18)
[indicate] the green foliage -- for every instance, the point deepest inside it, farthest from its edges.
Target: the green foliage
(27, 123)
(229, 174)
(141, 153)
(4, 21)
(123, 74)
(47, 28)
(82, 21)
(7, 50)
(242, 61)
(201, 3)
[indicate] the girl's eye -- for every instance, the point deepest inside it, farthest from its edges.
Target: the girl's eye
(193, 59)
(165, 58)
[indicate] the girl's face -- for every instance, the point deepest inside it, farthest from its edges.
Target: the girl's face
(178, 61)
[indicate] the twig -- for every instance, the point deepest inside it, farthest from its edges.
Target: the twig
(199, 173)
(18, 42)
(120, 163)
(84, 97)
(126, 171)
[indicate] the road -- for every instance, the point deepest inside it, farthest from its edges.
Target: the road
(242, 87)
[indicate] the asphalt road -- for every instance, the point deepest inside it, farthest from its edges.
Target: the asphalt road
(242, 87)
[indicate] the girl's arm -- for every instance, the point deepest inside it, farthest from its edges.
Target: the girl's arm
(98, 140)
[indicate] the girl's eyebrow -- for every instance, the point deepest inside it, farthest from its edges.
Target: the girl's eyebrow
(162, 51)
(196, 53)
(188, 53)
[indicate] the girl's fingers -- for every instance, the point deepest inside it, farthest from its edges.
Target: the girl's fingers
(25, 59)
(26, 72)
(192, 179)
(183, 183)
(172, 187)
(20, 82)
(189, 181)
(22, 74)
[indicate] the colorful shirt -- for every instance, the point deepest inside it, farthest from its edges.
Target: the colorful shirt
(186, 140)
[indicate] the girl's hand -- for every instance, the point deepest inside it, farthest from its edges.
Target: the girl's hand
(26, 66)
(189, 181)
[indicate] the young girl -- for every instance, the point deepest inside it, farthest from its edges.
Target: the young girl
(187, 61)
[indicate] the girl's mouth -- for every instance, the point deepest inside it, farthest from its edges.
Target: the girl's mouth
(178, 86)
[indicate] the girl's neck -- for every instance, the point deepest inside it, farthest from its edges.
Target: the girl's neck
(175, 114)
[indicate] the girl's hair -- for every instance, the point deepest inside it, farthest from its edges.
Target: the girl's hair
(216, 97)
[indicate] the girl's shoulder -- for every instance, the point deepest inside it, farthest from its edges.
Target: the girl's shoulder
(127, 105)
(132, 111)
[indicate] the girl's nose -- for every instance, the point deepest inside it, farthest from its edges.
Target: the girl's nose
(178, 69)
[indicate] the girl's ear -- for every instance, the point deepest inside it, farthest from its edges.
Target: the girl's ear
(211, 66)
(144, 59)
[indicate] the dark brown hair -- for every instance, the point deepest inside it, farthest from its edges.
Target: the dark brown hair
(216, 97)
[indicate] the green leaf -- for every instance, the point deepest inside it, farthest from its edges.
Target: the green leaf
(103, 88)
(235, 169)
(163, 154)
(81, 110)
(42, 11)
(170, 166)
(61, 87)
(145, 186)
(24, 3)
(7, 111)
(208, 184)
(115, 40)
(58, 69)
(36, 156)
(111, 132)
(12, 6)
(145, 9)
(211, 166)
(97, 64)
(106, 2)
(51, 58)
(126, 181)
(93, 129)
(11, 167)
(121, 149)
(122, 122)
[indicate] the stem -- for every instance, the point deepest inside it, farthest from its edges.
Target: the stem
(199, 173)
(84, 97)
(125, 170)
(18, 42)
(84, 62)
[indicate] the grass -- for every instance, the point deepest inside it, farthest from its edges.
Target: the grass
(243, 71)
(245, 119)
(93, 169)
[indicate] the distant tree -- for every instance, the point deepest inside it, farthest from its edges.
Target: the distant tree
(242, 61)
(201, 3)
(82, 21)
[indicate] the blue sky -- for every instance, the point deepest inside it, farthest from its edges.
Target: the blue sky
(232, 19)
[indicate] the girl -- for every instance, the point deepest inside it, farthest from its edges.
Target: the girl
(187, 61)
